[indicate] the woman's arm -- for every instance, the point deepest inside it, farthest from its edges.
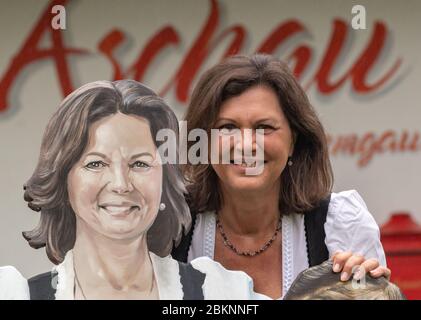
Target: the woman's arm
(353, 237)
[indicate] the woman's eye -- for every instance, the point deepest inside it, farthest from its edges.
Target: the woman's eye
(265, 127)
(95, 165)
(227, 128)
(140, 164)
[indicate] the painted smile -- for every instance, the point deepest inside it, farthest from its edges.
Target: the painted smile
(116, 210)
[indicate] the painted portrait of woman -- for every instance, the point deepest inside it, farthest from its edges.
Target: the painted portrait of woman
(110, 210)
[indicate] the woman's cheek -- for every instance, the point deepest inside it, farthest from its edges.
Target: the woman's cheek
(275, 146)
(84, 188)
(91, 184)
(148, 182)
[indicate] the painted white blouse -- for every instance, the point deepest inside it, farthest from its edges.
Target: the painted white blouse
(13, 286)
(349, 227)
(219, 283)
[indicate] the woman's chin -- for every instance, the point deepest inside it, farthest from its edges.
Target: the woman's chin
(248, 184)
(124, 226)
(121, 232)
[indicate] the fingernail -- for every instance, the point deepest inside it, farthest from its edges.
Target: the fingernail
(336, 267)
(344, 276)
(358, 275)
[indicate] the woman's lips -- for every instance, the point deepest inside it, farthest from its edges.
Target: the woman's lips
(244, 164)
(119, 211)
(251, 169)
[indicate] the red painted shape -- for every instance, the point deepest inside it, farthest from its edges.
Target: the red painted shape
(30, 53)
(401, 239)
(192, 62)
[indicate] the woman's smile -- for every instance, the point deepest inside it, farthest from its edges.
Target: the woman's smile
(241, 167)
(119, 210)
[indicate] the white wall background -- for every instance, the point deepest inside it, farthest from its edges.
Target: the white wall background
(390, 182)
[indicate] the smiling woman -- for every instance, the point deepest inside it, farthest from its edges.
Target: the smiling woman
(110, 210)
(99, 122)
(277, 223)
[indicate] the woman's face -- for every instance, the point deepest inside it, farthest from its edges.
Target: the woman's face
(115, 188)
(256, 108)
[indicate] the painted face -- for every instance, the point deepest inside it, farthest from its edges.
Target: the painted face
(256, 108)
(115, 188)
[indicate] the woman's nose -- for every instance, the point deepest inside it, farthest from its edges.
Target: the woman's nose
(119, 181)
(247, 142)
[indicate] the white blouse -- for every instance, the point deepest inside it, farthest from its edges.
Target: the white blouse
(349, 226)
(219, 283)
(13, 286)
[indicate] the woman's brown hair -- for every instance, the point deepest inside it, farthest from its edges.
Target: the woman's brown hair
(309, 179)
(63, 143)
